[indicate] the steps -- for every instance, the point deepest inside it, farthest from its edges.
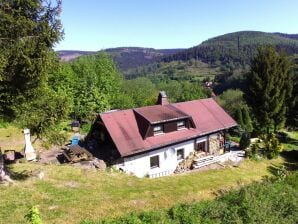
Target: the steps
(205, 161)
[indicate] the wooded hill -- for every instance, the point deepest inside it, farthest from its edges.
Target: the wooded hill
(238, 47)
(224, 58)
(125, 57)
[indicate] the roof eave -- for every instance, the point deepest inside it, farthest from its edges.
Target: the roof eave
(175, 141)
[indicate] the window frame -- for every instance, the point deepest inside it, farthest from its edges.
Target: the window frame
(158, 132)
(183, 126)
(178, 153)
(152, 166)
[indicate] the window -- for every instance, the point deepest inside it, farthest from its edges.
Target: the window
(154, 162)
(180, 154)
(201, 146)
(180, 125)
(157, 129)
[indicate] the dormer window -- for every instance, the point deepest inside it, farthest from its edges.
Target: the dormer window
(180, 125)
(157, 129)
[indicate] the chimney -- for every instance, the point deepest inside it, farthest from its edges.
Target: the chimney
(162, 98)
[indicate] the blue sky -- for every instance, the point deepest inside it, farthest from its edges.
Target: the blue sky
(99, 24)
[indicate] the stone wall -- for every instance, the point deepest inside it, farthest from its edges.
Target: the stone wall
(214, 144)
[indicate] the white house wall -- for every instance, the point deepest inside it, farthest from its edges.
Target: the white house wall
(139, 165)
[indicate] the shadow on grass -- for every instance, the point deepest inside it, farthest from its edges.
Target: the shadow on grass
(283, 137)
(291, 159)
(290, 164)
(23, 175)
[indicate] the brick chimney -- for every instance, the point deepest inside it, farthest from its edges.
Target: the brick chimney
(162, 98)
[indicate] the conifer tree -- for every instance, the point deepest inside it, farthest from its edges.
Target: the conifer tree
(28, 31)
(269, 85)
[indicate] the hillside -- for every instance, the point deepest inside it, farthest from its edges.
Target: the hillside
(68, 194)
(68, 55)
(226, 54)
(125, 57)
(238, 47)
(194, 70)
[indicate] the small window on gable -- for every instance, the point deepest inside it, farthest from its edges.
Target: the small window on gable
(157, 129)
(154, 162)
(180, 154)
(180, 125)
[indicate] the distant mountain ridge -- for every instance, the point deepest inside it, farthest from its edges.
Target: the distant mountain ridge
(237, 48)
(125, 57)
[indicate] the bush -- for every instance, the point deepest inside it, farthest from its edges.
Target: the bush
(252, 152)
(86, 128)
(33, 216)
(272, 146)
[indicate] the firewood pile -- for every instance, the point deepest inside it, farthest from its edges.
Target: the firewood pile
(187, 163)
(76, 153)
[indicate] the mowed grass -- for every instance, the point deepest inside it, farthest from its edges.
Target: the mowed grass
(69, 194)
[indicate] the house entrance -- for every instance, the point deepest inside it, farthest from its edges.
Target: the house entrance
(201, 146)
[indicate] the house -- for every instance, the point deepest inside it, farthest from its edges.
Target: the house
(153, 140)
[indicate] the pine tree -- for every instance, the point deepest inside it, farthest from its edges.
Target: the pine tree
(28, 31)
(269, 85)
(292, 113)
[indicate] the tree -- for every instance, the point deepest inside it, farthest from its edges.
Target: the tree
(192, 91)
(28, 31)
(231, 100)
(292, 113)
(141, 90)
(96, 86)
(269, 85)
(247, 123)
(244, 141)
(44, 111)
(239, 118)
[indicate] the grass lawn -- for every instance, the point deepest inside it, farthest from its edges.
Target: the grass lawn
(69, 194)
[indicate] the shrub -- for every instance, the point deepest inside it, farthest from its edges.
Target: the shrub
(33, 216)
(55, 137)
(272, 146)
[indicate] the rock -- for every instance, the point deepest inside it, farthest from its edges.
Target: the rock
(100, 164)
(38, 174)
(53, 207)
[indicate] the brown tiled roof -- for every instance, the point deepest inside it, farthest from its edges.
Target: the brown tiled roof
(159, 113)
(207, 115)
